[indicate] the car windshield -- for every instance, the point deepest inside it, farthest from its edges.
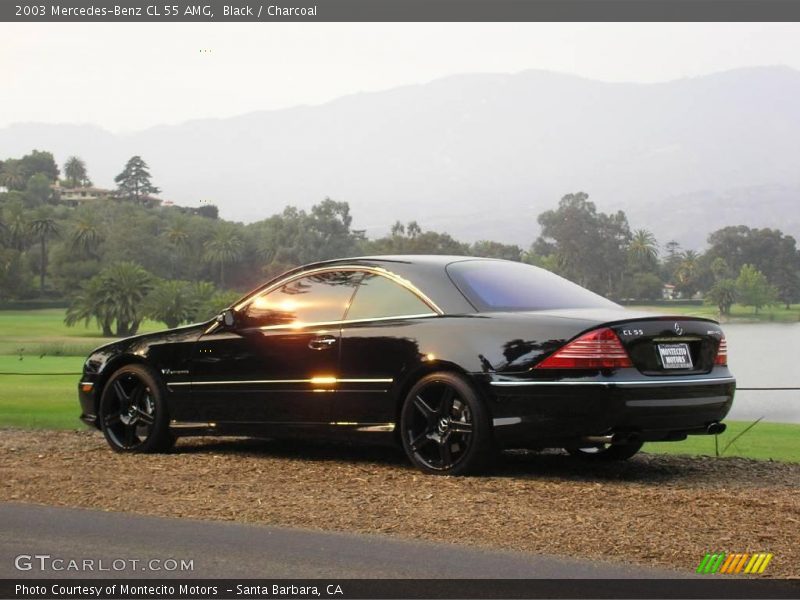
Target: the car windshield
(494, 285)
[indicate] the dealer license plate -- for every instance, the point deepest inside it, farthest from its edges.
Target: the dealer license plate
(675, 356)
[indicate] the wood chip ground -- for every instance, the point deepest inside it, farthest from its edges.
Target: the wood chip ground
(652, 510)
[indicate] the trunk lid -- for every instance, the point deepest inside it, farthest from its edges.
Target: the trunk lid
(670, 345)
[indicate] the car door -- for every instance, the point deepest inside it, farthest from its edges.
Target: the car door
(377, 346)
(282, 350)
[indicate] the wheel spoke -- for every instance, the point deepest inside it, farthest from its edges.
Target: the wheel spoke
(426, 410)
(137, 392)
(446, 402)
(145, 417)
(460, 427)
(122, 395)
(420, 441)
(130, 435)
(444, 451)
(112, 419)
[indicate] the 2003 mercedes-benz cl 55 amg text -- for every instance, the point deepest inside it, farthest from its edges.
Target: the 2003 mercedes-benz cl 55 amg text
(450, 356)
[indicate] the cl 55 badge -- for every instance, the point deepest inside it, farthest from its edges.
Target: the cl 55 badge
(632, 332)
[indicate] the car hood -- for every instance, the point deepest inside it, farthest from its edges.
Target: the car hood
(141, 344)
(153, 336)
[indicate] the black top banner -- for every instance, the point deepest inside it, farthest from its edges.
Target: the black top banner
(401, 10)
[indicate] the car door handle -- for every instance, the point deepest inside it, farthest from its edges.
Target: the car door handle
(322, 342)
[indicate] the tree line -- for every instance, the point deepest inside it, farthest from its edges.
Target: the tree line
(124, 259)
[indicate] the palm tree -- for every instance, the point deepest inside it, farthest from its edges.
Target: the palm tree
(215, 304)
(92, 302)
(116, 295)
(43, 227)
(86, 236)
(178, 237)
(17, 226)
(643, 249)
(687, 270)
(226, 247)
(171, 302)
(75, 170)
(686, 273)
(13, 175)
(129, 284)
(178, 234)
(202, 293)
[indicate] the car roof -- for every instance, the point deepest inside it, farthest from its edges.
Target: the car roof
(410, 259)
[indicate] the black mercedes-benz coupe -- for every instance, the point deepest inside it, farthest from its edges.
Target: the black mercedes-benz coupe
(450, 356)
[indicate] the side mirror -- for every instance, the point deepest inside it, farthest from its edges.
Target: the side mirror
(227, 317)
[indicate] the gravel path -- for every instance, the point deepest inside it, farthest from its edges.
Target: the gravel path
(652, 510)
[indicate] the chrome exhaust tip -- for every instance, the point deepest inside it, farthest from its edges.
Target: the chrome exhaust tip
(598, 439)
(716, 428)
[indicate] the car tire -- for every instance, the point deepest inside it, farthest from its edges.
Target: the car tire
(445, 427)
(607, 452)
(133, 411)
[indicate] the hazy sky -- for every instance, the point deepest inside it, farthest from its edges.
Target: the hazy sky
(131, 76)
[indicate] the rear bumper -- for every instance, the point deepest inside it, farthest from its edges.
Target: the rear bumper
(555, 413)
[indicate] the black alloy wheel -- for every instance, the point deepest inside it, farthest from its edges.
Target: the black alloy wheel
(445, 427)
(133, 415)
(605, 452)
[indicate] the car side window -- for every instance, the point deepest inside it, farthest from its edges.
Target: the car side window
(317, 298)
(379, 296)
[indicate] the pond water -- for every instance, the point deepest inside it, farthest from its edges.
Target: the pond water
(765, 355)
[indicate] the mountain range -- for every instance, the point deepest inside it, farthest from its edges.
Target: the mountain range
(481, 155)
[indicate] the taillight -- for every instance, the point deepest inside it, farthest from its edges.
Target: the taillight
(599, 349)
(722, 353)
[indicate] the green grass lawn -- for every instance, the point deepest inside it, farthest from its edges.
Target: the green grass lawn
(738, 312)
(38, 341)
(40, 401)
(765, 441)
(37, 332)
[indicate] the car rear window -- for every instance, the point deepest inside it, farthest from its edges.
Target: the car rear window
(494, 285)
